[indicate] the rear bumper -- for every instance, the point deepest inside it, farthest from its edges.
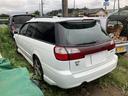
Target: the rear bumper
(68, 80)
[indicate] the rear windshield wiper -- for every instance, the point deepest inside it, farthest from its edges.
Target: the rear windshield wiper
(87, 43)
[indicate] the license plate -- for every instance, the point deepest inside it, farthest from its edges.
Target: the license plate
(99, 57)
(120, 49)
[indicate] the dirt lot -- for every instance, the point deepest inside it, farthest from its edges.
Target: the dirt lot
(86, 89)
(113, 84)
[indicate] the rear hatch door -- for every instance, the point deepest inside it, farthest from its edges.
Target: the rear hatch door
(94, 56)
(88, 38)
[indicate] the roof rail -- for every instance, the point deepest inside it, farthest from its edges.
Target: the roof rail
(44, 17)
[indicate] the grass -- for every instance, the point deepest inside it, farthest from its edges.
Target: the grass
(120, 75)
(118, 78)
(7, 49)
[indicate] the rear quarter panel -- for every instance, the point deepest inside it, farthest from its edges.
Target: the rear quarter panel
(45, 53)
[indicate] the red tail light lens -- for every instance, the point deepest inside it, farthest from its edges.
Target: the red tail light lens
(112, 45)
(61, 53)
(66, 53)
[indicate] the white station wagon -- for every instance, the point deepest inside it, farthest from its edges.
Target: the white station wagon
(67, 51)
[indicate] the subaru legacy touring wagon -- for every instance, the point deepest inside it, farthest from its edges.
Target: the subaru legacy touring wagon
(67, 51)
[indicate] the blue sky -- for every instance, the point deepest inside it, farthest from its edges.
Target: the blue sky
(19, 6)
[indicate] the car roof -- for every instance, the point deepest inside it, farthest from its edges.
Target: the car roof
(61, 19)
(21, 15)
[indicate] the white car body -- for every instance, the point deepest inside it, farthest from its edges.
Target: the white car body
(65, 74)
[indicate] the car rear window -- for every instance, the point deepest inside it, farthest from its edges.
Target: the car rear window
(80, 32)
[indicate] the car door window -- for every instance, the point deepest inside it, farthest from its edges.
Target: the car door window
(24, 29)
(45, 32)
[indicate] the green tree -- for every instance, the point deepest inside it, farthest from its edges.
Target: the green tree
(4, 16)
(36, 13)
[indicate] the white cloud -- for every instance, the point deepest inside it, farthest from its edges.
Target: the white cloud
(16, 6)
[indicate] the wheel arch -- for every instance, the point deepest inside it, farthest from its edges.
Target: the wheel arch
(41, 68)
(34, 55)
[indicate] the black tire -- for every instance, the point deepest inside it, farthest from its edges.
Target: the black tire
(38, 71)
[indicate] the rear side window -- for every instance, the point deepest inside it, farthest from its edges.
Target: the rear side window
(45, 32)
(24, 29)
(81, 32)
(31, 30)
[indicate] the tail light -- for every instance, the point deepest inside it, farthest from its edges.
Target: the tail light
(112, 45)
(66, 53)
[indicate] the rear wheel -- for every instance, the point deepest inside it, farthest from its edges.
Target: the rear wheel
(16, 48)
(38, 71)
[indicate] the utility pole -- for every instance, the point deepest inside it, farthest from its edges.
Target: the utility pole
(65, 8)
(74, 7)
(118, 4)
(42, 8)
(74, 4)
(114, 5)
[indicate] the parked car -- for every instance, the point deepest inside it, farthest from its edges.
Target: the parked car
(67, 51)
(117, 28)
(16, 21)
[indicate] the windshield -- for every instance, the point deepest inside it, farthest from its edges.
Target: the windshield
(81, 32)
(21, 19)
